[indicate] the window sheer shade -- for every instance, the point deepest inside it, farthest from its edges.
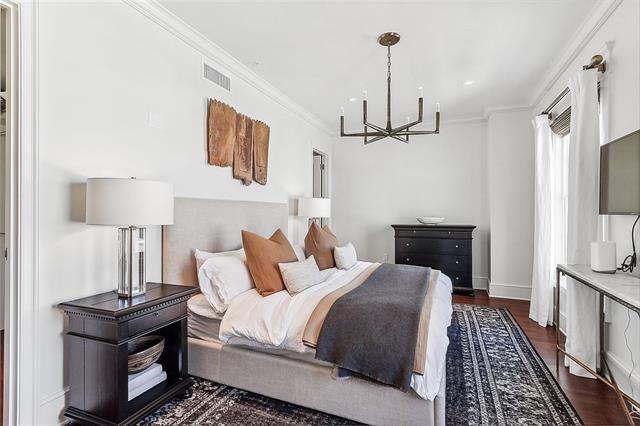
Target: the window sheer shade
(561, 124)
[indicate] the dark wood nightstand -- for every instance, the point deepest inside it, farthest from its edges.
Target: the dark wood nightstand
(99, 329)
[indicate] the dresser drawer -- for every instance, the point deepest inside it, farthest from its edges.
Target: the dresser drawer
(459, 279)
(432, 246)
(155, 318)
(435, 233)
(435, 261)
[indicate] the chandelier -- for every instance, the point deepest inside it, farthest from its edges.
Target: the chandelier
(372, 132)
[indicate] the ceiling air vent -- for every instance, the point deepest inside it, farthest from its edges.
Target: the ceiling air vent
(216, 77)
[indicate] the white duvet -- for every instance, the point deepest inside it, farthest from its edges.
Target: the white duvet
(279, 321)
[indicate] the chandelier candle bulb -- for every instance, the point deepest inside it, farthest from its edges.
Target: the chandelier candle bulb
(421, 92)
(364, 95)
(438, 107)
(342, 111)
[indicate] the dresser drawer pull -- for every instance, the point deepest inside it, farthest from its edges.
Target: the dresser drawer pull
(408, 245)
(457, 262)
(457, 278)
(408, 259)
(457, 246)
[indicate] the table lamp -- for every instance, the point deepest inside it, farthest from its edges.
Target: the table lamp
(129, 204)
(314, 208)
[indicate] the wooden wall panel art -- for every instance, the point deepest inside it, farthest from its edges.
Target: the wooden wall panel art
(243, 152)
(221, 124)
(237, 141)
(260, 151)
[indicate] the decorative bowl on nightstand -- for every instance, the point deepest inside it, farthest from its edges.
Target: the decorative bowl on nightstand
(430, 220)
(143, 352)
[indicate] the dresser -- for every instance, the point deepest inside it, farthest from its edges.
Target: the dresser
(98, 332)
(443, 247)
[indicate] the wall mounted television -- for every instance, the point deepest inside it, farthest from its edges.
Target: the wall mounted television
(620, 175)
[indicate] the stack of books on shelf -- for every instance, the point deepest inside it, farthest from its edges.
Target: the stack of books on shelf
(141, 382)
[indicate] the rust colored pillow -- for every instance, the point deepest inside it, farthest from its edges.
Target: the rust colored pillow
(263, 256)
(320, 243)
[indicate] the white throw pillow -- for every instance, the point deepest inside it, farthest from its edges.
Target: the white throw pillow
(221, 278)
(298, 276)
(202, 255)
(345, 256)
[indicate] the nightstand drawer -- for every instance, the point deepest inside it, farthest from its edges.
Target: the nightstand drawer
(432, 245)
(155, 318)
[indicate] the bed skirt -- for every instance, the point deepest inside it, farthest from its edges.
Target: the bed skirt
(311, 385)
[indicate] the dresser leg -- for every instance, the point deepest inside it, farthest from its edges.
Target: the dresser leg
(186, 394)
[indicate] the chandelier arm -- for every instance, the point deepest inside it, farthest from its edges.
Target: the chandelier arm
(369, 134)
(376, 128)
(418, 132)
(376, 139)
(364, 118)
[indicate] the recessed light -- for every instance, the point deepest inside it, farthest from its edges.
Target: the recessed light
(468, 83)
(353, 99)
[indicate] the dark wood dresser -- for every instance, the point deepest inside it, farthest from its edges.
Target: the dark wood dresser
(443, 247)
(99, 329)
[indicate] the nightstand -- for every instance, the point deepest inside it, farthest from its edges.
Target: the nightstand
(98, 331)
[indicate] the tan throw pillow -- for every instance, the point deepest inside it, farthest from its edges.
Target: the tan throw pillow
(320, 243)
(263, 256)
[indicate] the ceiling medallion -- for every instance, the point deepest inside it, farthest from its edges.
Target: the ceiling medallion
(372, 132)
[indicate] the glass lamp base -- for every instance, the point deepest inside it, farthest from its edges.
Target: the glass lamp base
(131, 261)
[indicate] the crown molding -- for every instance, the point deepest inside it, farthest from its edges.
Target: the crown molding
(193, 38)
(598, 16)
(506, 108)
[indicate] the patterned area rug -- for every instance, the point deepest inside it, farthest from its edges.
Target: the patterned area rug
(494, 377)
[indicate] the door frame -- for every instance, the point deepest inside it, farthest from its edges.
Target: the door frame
(21, 292)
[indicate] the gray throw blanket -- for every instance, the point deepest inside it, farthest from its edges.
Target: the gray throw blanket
(373, 329)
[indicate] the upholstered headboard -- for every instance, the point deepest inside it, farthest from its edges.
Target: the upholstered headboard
(213, 225)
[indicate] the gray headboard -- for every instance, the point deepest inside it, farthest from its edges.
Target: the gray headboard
(213, 225)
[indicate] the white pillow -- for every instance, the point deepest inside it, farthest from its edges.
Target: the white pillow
(202, 255)
(221, 278)
(298, 276)
(345, 257)
(299, 251)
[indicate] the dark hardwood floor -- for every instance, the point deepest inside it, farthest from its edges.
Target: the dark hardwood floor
(595, 402)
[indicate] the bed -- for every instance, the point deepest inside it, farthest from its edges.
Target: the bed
(292, 376)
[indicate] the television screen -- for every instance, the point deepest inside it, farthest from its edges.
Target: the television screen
(620, 175)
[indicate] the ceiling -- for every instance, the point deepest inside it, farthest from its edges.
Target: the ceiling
(321, 54)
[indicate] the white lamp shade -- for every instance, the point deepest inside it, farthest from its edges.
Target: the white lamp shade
(129, 202)
(314, 207)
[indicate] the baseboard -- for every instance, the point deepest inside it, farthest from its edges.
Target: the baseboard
(509, 291)
(480, 283)
(621, 373)
(52, 406)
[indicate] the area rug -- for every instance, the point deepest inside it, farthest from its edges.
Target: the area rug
(494, 377)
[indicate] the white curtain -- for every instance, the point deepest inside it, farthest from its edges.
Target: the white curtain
(550, 216)
(582, 224)
(541, 307)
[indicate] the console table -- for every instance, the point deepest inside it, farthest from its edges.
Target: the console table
(621, 288)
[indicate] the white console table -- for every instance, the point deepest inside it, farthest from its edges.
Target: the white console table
(620, 287)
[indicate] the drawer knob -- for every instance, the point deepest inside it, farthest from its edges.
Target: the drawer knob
(408, 259)
(456, 246)
(457, 262)
(449, 232)
(457, 278)
(408, 244)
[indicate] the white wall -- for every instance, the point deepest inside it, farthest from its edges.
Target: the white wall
(510, 181)
(391, 182)
(623, 87)
(102, 68)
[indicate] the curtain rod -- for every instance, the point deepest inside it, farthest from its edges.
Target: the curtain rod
(597, 61)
